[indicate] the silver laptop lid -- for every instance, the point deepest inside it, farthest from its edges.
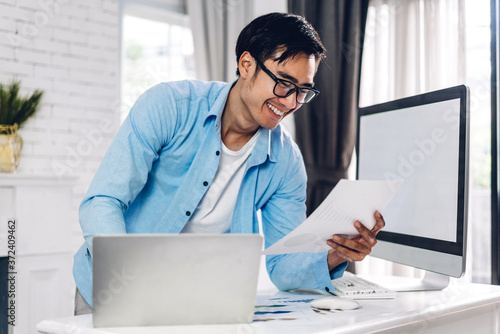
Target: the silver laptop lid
(181, 279)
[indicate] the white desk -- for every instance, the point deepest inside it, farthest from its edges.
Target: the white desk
(460, 308)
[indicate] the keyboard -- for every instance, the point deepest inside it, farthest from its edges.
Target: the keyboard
(354, 287)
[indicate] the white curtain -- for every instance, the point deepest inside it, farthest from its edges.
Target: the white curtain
(410, 47)
(216, 25)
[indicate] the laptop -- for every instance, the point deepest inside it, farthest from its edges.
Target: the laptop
(174, 279)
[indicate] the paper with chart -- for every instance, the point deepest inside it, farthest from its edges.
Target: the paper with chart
(347, 202)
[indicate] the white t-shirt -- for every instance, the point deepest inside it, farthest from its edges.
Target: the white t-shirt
(215, 211)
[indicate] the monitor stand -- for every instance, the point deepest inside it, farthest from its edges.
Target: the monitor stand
(431, 281)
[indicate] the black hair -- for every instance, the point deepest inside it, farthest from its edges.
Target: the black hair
(269, 33)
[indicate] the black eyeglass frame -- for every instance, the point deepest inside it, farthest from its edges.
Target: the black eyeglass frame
(291, 91)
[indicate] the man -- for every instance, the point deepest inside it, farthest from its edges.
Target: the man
(206, 157)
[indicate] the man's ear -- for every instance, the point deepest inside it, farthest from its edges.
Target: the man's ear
(246, 65)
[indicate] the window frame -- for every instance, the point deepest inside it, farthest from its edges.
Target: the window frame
(173, 12)
(495, 143)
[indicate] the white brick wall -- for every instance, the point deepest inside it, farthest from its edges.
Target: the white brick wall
(69, 49)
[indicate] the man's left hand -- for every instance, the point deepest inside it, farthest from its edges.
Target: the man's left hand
(356, 249)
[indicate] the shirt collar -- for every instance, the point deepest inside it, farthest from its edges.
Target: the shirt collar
(263, 146)
(219, 104)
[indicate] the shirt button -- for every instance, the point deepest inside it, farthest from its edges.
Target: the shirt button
(326, 288)
(188, 213)
(217, 152)
(205, 183)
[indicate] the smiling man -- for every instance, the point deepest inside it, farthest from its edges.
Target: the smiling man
(205, 157)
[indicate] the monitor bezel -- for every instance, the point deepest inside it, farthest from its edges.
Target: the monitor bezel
(461, 92)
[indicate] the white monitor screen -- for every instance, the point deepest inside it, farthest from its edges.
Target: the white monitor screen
(420, 145)
(423, 140)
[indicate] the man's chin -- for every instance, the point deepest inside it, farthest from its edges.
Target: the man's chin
(271, 125)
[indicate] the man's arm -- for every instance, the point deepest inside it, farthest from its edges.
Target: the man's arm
(125, 167)
(284, 211)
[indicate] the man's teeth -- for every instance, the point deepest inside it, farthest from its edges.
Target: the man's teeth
(275, 110)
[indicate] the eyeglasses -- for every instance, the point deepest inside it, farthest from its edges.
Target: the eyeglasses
(285, 88)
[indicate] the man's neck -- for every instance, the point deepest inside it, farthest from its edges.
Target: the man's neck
(236, 129)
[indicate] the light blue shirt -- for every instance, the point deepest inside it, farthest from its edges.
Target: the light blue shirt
(160, 164)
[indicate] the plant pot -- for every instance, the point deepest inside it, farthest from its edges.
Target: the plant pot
(10, 148)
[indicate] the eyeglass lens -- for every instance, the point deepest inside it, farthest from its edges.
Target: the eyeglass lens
(283, 89)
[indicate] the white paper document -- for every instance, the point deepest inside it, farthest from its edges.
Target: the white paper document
(347, 202)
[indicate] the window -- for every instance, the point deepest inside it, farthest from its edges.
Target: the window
(157, 46)
(478, 78)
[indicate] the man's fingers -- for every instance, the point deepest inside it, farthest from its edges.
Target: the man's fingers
(379, 222)
(341, 251)
(358, 248)
(347, 245)
(346, 253)
(366, 234)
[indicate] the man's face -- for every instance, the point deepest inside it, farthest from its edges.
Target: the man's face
(263, 106)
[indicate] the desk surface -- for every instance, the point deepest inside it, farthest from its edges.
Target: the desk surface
(460, 308)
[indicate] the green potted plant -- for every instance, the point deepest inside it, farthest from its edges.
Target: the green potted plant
(14, 111)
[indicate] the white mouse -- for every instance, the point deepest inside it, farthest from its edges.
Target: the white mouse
(334, 303)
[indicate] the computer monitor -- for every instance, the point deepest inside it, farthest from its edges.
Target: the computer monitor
(423, 140)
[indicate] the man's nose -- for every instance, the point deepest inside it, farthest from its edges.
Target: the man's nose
(290, 101)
